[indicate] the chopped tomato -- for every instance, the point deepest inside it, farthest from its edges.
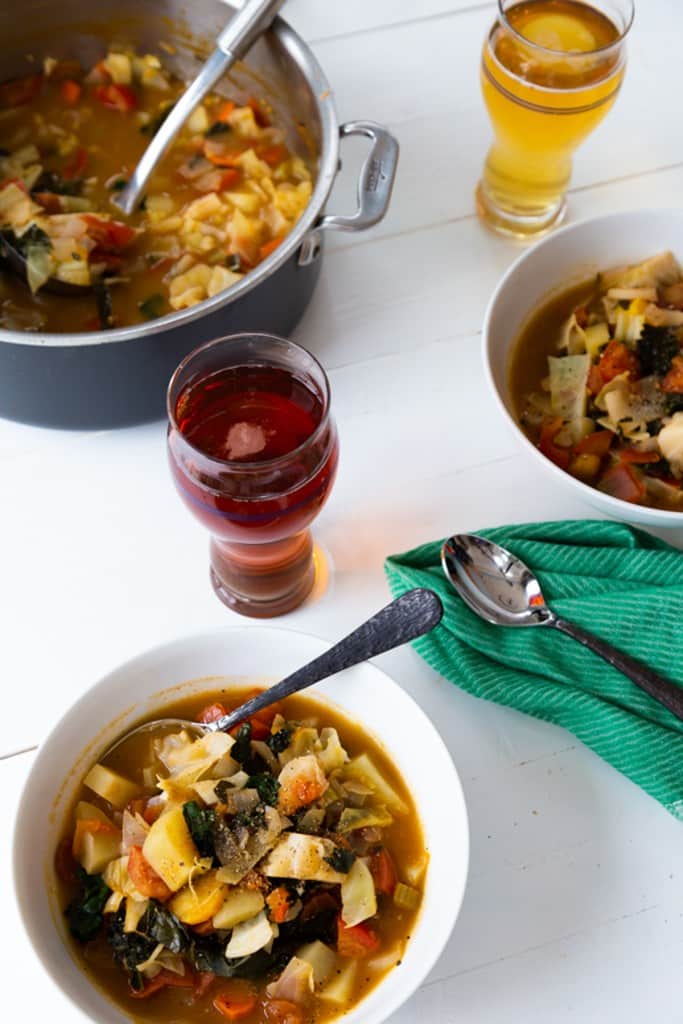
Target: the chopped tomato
(355, 942)
(595, 384)
(383, 871)
(550, 428)
(321, 902)
(633, 456)
(19, 91)
(673, 381)
(205, 980)
(269, 247)
(89, 826)
(144, 877)
(273, 155)
(65, 865)
(229, 178)
(262, 721)
(259, 114)
(211, 713)
(77, 165)
(137, 805)
(621, 482)
(50, 201)
(109, 235)
(14, 181)
(151, 813)
(235, 1001)
(617, 358)
(164, 979)
(224, 111)
(70, 91)
(279, 904)
(597, 443)
(281, 1011)
(116, 97)
(98, 75)
(204, 928)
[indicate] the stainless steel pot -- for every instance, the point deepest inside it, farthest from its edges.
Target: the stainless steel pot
(118, 377)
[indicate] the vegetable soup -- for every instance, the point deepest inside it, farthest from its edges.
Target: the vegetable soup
(225, 196)
(597, 381)
(271, 875)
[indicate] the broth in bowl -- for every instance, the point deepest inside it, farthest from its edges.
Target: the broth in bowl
(597, 382)
(271, 875)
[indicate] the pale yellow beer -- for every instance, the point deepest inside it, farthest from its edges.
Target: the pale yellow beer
(551, 71)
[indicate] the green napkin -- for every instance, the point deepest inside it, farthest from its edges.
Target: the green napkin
(619, 582)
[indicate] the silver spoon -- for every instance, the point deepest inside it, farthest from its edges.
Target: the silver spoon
(411, 615)
(242, 31)
(501, 589)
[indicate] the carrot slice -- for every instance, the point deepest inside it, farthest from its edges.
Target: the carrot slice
(621, 482)
(164, 979)
(235, 1001)
(355, 942)
(635, 457)
(70, 91)
(224, 111)
(550, 428)
(269, 247)
(383, 871)
(616, 359)
(595, 444)
(85, 826)
(144, 877)
(211, 713)
(673, 381)
(279, 904)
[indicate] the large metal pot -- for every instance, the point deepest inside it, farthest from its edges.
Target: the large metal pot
(117, 377)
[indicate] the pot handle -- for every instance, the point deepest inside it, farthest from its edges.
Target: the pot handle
(375, 186)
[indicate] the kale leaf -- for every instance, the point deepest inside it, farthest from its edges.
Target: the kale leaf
(207, 953)
(266, 786)
(279, 741)
(341, 859)
(657, 347)
(129, 948)
(218, 128)
(674, 403)
(200, 821)
(159, 924)
(103, 301)
(50, 181)
(85, 912)
(241, 750)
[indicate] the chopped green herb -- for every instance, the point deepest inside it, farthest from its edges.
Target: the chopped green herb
(280, 740)
(266, 786)
(657, 347)
(218, 128)
(241, 750)
(50, 181)
(155, 123)
(103, 302)
(234, 262)
(118, 185)
(85, 912)
(152, 307)
(252, 820)
(200, 821)
(341, 859)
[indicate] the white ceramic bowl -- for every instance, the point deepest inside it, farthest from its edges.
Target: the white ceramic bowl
(241, 655)
(566, 257)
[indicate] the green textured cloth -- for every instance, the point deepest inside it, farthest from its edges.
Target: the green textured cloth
(620, 583)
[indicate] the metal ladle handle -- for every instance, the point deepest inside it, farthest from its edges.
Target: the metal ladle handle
(662, 689)
(410, 616)
(242, 31)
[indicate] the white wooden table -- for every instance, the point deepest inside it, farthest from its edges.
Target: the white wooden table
(574, 908)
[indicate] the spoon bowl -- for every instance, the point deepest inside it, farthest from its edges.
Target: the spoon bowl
(493, 582)
(16, 262)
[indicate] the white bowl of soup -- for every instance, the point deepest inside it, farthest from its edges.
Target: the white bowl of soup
(583, 348)
(306, 867)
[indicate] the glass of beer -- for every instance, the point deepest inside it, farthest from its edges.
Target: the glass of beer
(550, 72)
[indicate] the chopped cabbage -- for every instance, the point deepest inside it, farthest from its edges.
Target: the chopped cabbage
(359, 900)
(251, 936)
(568, 384)
(303, 857)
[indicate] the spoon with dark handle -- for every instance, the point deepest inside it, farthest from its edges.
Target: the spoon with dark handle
(241, 32)
(501, 589)
(408, 617)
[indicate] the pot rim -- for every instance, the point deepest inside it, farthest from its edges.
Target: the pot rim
(317, 81)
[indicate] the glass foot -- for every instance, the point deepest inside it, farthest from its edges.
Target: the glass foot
(518, 223)
(263, 580)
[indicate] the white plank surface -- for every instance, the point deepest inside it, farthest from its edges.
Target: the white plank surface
(574, 910)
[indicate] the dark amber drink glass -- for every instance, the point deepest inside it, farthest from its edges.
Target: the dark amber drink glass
(253, 451)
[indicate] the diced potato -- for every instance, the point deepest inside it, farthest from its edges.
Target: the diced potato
(88, 812)
(596, 338)
(247, 202)
(302, 857)
(364, 768)
(198, 121)
(119, 67)
(250, 936)
(222, 278)
(98, 849)
(322, 959)
(340, 990)
(199, 900)
(239, 905)
(406, 898)
(359, 901)
(169, 849)
(112, 787)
